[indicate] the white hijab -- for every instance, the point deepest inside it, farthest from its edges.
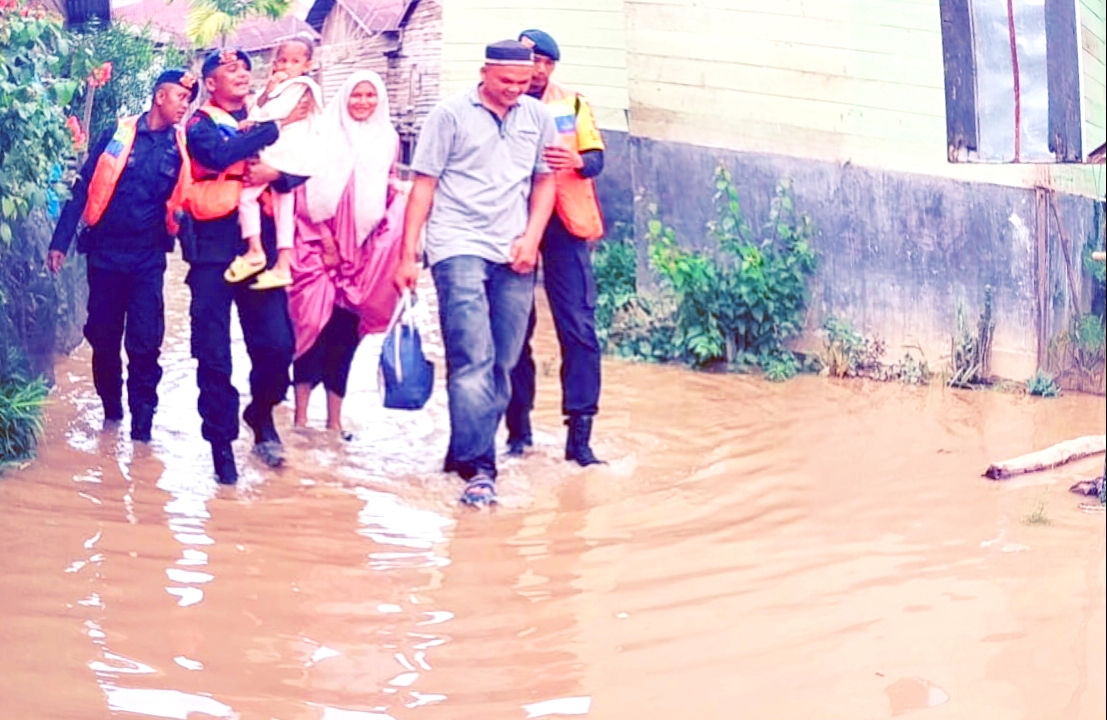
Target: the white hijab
(364, 150)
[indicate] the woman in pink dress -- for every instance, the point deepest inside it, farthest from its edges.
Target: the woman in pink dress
(349, 227)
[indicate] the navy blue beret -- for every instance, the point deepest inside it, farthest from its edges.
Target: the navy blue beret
(542, 44)
(222, 57)
(182, 77)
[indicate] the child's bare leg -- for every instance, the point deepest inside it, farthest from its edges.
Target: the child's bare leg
(283, 266)
(255, 252)
(249, 220)
(284, 218)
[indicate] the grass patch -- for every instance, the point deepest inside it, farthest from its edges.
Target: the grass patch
(21, 421)
(1037, 514)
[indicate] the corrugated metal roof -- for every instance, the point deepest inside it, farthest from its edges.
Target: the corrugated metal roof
(253, 34)
(373, 16)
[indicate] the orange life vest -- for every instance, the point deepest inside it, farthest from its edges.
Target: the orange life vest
(215, 194)
(577, 204)
(112, 163)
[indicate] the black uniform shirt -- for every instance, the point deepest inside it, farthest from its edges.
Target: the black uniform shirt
(219, 241)
(131, 235)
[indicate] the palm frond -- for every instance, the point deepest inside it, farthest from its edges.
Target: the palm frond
(212, 19)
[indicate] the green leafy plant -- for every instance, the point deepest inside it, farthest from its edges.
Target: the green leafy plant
(34, 92)
(1043, 385)
(133, 60)
(615, 267)
(742, 300)
(644, 328)
(848, 354)
(779, 367)
(21, 426)
(209, 20)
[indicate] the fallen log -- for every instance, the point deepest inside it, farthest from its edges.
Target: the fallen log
(1050, 457)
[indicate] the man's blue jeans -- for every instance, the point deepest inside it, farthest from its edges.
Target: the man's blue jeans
(484, 308)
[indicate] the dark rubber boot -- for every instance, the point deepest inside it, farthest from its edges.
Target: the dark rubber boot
(141, 427)
(517, 447)
(113, 412)
(225, 470)
(578, 441)
(261, 423)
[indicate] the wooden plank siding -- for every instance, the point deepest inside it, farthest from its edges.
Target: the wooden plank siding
(1093, 42)
(858, 81)
(415, 74)
(591, 34)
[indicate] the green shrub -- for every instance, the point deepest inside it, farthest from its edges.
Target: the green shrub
(848, 354)
(34, 94)
(615, 266)
(135, 60)
(743, 299)
(1043, 385)
(21, 405)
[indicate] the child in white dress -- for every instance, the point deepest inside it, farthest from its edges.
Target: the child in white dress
(294, 153)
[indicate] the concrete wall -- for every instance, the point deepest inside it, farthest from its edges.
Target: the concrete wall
(899, 252)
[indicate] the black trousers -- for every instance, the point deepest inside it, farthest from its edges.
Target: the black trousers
(571, 290)
(126, 310)
(267, 331)
(328, 360)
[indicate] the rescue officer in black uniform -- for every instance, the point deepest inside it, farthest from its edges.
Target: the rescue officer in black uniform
(566, 265)
(128, 194)
(219, 149)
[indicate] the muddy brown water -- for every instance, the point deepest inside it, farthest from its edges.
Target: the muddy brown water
(808, 550)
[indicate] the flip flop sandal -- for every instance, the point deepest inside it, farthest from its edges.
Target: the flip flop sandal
(242, 269)
(481, 490)
(269, 280)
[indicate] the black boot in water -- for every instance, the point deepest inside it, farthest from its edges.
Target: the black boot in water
(578, 443)
(225, 470)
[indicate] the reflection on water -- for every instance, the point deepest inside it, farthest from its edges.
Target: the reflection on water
(806, 550)
(171, 704)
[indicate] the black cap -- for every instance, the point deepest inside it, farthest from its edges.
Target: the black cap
(542, 43)
(222, 57)
(182, 77)
(508, 52)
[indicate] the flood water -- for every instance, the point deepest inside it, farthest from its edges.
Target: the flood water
(808, 550)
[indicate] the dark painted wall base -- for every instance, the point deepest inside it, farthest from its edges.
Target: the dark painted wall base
(899, 253)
